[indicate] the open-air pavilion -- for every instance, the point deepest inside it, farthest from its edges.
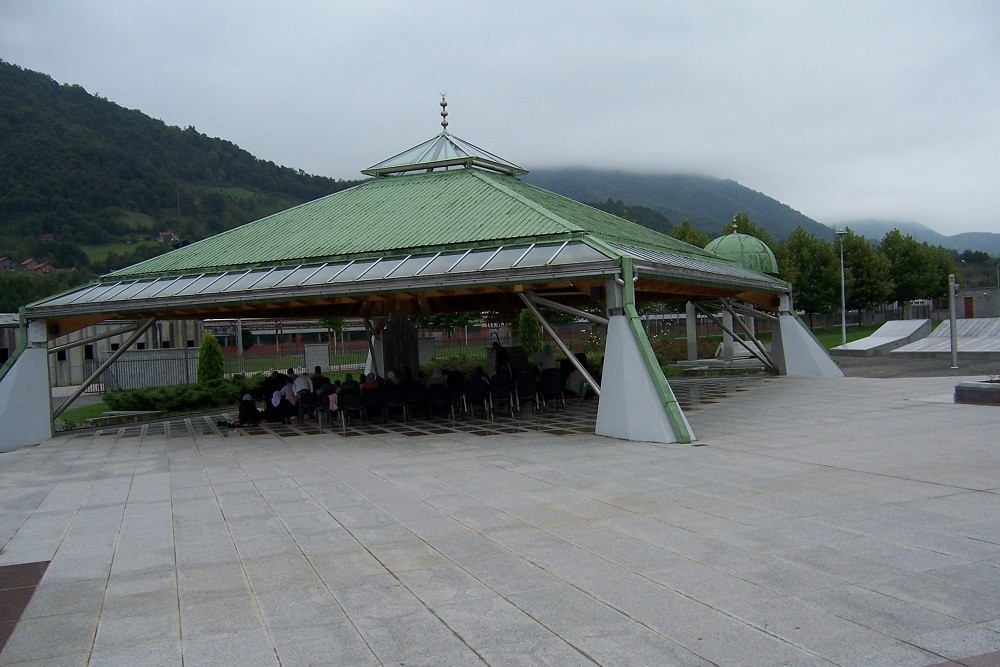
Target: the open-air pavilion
(442, 227)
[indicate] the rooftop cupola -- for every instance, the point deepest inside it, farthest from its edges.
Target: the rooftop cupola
(747, 251)
(445, 151)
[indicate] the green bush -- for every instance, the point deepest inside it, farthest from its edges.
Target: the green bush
(187, 397)
(211, 364)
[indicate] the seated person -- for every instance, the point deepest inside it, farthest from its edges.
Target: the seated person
(350, 384)
(278, 409)
(302, 382)
(318, 379)
(248, 413)
(371, 382)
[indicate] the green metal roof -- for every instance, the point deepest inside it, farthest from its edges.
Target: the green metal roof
(410, 213)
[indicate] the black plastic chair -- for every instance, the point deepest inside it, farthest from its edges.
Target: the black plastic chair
(477, 395)
(374, 403)
(306, 404)
(351, 402)
(500, 395)
(395, 399)
(526, 390)
(441, 397)
(551, 387)
(417, 398)
(324, 409)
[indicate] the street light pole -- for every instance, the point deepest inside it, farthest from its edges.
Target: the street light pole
(843, 290)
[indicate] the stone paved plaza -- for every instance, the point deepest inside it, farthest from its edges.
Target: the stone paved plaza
(817, 521)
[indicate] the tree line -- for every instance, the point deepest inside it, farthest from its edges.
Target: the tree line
(896, 269)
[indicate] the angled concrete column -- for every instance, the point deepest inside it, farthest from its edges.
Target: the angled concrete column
(795, 349)
(25, 395)
(636, 400)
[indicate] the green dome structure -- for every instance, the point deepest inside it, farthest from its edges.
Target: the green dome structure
(747, 251)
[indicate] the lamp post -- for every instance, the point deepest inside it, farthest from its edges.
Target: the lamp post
(843, 290)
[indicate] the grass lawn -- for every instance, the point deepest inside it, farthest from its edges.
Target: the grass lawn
(83, 413)
(832, 337)
(99, 253)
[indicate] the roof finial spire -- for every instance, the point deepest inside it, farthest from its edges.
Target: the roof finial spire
(444, 114)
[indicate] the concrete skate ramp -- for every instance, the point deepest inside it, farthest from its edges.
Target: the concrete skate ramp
(887, 338)
(979, 335)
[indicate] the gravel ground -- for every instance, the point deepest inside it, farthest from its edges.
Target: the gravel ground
(895, 366)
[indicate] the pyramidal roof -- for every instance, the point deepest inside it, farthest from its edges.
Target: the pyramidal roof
(467, 208)
(442, 152)
(443, 194)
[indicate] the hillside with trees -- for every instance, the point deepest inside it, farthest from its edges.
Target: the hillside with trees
(708, 203)
(79, 171)
(90, 186)
(966, 241)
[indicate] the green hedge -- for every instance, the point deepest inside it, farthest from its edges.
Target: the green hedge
(187, 397)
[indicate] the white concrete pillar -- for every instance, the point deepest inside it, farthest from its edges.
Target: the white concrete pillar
(692, 331)
(727, 340)
(25, 395)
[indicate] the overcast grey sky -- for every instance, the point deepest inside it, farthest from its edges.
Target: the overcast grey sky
(842, 110)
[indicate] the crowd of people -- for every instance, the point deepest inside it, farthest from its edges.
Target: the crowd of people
(296, 396)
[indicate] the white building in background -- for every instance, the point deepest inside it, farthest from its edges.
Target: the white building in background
(72, 366)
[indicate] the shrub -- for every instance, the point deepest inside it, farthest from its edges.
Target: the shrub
(211, 364)
(530, 334)
(181, 398)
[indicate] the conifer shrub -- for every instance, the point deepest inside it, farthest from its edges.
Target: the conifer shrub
(211, 364)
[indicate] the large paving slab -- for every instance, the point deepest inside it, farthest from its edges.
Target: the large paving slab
(844, 521)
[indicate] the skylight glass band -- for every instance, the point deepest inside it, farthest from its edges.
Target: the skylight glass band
(254, 283)
(553, 257)
(459, 260)
(159, 291)
(523, 255)
(436, 255)
(495, 253)
(307, 278)
(220, 277)
(290, 274)
(405, 259)
(344, 268)
(362, 274)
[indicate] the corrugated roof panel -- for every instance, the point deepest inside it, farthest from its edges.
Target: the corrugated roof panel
(386, 214)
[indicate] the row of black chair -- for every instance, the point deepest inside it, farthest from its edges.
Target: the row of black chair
(473, 396)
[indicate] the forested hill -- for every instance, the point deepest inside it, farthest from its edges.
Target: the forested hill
(79, 170)
(709, 203)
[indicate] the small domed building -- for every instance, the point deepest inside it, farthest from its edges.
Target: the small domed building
(748, 251)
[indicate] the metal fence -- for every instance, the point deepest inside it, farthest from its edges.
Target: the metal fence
(265, 363)
(145, 368)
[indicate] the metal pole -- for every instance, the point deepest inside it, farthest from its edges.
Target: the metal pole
(136, 335)
(764, 358)
(843, 290)
(569, 310)
(562, 346)
(954, 328)
(91, 339)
